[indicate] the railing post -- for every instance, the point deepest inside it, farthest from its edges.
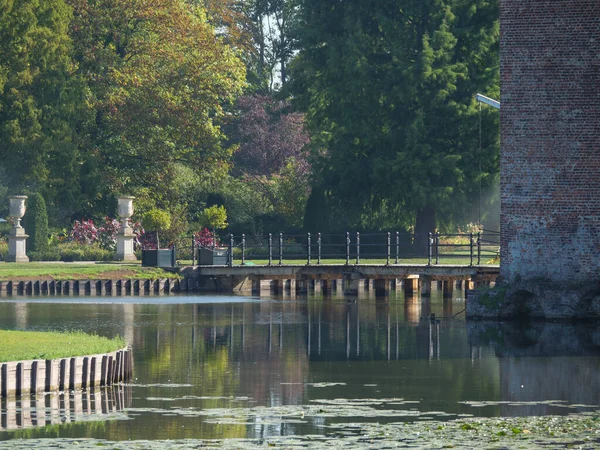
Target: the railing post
(280, 248)
(471, 248)
(231, 250)
(193, 251)
(243, 249)
(318, 248)
(397, 247)
(347, 248)
(308, 245)
(437, 247)
(270, 249)
(478, 249)
(174, 256)
(429, 248)
(357, 248)
(389, 241)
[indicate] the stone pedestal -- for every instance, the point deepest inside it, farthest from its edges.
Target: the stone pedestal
(17, 239)
(17, 245)
(125, 237)
(125, 240)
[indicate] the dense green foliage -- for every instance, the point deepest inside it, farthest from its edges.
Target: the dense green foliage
(187, 104)
(389, 92)
(36, 223)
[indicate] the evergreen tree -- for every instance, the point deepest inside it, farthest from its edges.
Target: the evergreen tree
(41, 101)
(35, 222)
(388, 87)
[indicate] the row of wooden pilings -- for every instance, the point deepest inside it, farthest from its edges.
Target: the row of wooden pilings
(382, 286)
(20, 378)
(57, 408)
(91, 287)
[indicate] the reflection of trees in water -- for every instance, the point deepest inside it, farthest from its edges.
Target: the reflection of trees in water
(20, 413)
(544, 361)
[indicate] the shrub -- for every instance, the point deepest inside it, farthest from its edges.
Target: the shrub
(3, 249)
(107, 233)
(206, 238)
(84, 232)
(35, 222)
(72, 251)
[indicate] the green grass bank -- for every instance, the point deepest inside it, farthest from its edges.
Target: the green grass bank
(28, 345)
(79, 271)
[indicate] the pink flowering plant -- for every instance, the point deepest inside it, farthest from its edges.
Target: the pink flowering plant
(84, 232)
(206, 238)
(107, 233)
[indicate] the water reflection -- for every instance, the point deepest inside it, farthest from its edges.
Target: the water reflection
(539, 361)
(244, 367)
(63, 408)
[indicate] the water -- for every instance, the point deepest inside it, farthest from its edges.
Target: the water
(215, 367)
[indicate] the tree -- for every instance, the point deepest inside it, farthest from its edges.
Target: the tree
(214, 217)
(42, 101)
(161, 80)
(156, 221)
(272, 153)
(388, 88)
(35, 223)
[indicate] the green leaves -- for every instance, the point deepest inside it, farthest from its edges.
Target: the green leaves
(388, 90)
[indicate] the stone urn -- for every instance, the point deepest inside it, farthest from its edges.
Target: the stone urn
(17, 208)
(125, 237)
(125, 209)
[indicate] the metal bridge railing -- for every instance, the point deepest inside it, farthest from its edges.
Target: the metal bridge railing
(350, 248)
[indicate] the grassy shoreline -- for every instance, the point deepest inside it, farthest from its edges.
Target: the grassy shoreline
(28, 345)
(79, 271)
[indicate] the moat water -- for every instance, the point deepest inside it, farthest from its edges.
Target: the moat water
(215, 367)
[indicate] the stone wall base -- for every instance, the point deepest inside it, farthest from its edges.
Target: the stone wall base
(535, 300)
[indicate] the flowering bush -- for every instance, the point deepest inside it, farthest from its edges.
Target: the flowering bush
(206, 238)
(84, 232)
(138, 232)
(107, 233)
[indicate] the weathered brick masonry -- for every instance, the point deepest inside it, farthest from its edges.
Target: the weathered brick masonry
(550, 129)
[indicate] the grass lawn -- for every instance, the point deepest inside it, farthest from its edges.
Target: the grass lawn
(26, 345)
(79, 271)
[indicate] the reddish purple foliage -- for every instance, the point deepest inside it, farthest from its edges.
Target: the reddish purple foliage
(84, 232)
(107, 233)
(206, 238)
(269, 134)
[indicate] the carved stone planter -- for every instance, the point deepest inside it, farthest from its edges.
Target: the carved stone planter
(125, 237)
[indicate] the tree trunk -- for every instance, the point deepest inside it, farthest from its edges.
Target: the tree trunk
(424, 225)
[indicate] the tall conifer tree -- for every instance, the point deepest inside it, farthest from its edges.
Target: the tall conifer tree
(389, 90)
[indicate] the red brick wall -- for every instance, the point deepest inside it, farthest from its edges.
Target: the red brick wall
(550, 129)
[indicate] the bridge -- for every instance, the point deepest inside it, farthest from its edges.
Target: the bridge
(346, 279)
(345, 263)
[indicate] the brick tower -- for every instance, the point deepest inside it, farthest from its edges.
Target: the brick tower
(550, 130)
(549, 162)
